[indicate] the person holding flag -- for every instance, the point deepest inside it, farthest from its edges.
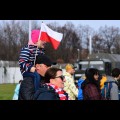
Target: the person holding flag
(36, 47)
(28, 55)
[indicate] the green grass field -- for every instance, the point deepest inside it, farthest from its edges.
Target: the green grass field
(7, 91)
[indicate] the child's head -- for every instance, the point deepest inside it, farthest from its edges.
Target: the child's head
(34, 38)
(35, 35)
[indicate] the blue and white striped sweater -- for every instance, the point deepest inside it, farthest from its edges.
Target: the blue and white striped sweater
(27, 57)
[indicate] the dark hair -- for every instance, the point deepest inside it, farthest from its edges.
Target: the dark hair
(43, 59)
(115, 72)
(51, 73)
(89, 73)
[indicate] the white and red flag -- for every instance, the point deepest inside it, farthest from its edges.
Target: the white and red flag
(48, 35)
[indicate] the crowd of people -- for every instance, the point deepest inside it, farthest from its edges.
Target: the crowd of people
(42, 81)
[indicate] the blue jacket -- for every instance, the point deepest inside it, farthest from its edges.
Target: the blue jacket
(16, 92)
(80, 93)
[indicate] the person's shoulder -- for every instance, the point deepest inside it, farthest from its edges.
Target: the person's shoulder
(45, 92)
(64, 73)
(114, 84)
(46, 87)
(90, 85)
(25, 47)
(27, 79)
(109, 78)
(68, 75)
(27, 83)
(80, 81)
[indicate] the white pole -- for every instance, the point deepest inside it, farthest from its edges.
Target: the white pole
(78, 54)
(29, 29)
(40, 32)
(37, 46)
(2, 72)
(90, 45)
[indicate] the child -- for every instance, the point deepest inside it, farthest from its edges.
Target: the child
(28, 55)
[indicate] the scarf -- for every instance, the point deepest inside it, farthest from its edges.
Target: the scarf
(59, 91)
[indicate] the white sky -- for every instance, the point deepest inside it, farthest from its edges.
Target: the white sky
(95, 24)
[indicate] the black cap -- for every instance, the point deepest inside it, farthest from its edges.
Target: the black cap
(43, 59)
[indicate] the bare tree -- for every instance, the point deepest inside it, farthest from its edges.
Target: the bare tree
(116, 48)
(109, 36)
(13, 37)
(84, 33)
(97, 43)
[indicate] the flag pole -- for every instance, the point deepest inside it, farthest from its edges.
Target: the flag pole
(29, 29)
(90, 45)
(37, 46)
(40, 32)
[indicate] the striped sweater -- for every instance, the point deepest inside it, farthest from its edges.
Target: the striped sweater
(27, 57)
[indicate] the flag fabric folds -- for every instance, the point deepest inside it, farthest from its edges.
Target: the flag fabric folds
(51, 36)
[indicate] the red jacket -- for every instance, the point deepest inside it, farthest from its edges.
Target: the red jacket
(90, 92)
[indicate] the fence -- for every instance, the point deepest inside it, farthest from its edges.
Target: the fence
(10, 75)
(10, 71)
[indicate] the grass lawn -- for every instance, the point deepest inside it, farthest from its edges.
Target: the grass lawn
(7, 91)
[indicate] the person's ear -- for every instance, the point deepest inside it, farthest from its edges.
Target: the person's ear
(38, 65)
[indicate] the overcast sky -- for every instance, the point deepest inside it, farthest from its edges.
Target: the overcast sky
(95, 24)
(92, 23)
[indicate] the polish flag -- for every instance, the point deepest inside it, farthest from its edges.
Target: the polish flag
(51, 36)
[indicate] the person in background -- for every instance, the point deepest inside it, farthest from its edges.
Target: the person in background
(69, 84)
(80, 93)
(16, 91)
(53, 87)
(102, 81)
(91, 85)
(113, 79)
